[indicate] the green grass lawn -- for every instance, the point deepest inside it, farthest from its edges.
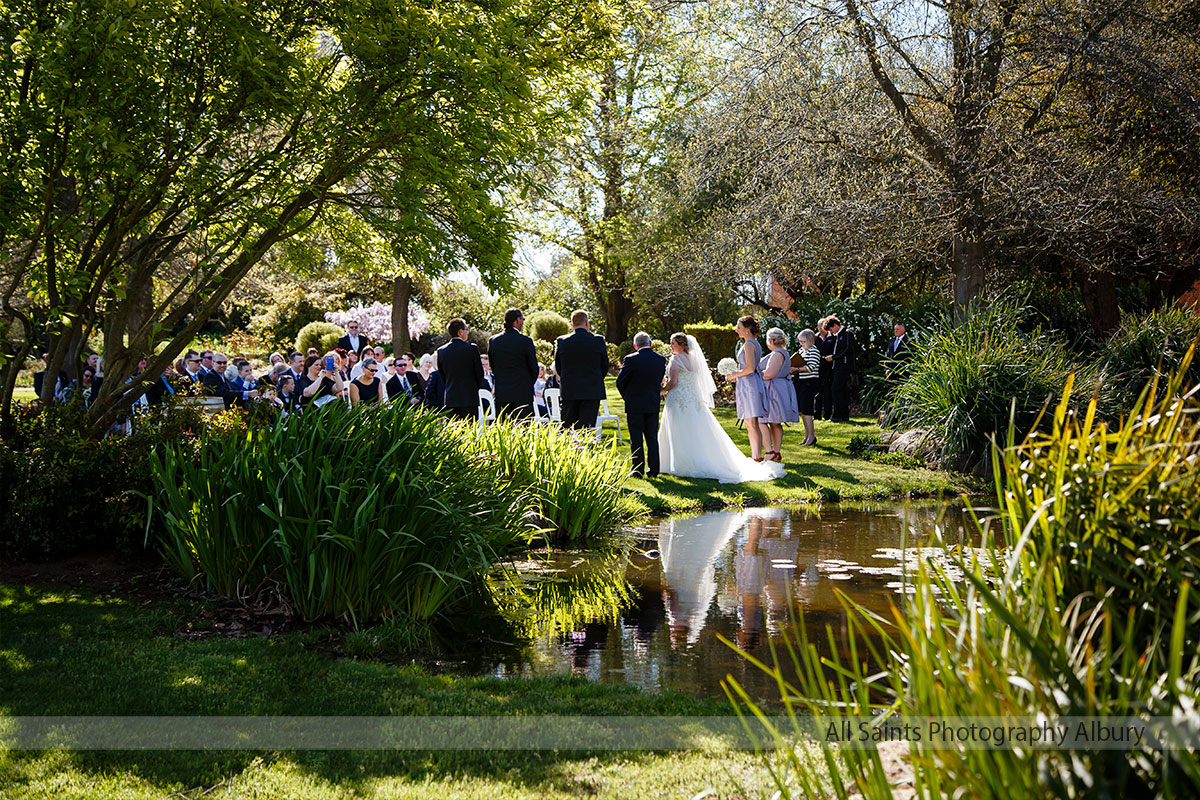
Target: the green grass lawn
(64, 653)
(24, 394)
(821, 473)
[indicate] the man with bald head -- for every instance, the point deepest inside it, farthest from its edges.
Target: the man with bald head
(216, 384)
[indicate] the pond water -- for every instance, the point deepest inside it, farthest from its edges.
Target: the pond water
(653, 620)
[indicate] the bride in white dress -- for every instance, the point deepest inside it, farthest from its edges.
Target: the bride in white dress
(691, 442)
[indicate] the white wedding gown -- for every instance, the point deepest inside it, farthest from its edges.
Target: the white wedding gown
(691, 443)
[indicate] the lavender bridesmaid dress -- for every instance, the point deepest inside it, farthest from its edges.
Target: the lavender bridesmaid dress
(749, 392)
(781, 395)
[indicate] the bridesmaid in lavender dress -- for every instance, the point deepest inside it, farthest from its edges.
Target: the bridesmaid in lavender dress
(781, 395)
(749, 391)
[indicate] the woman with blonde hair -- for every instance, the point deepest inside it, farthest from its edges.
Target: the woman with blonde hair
(780, 394)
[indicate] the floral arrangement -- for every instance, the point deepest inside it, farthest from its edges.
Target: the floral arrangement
(375, 320)
(726, 367)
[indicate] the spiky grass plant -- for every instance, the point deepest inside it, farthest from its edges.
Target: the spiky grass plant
(1079, 601)
(578, 485)
(359, 514)
(962, 381)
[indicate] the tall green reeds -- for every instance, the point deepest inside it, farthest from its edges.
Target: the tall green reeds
(1081, 600)
(1145, 346)
(963, 380)
(355, 513)
(578, 485)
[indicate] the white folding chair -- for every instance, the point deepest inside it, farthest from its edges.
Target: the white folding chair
(553, 398)
(606, 417)
(487, 408)
(537, 413)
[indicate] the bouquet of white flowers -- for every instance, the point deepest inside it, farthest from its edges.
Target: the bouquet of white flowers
(726, 367)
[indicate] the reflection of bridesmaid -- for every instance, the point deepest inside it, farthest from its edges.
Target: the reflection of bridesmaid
(689, 550)
(777, 584)
(748, 573)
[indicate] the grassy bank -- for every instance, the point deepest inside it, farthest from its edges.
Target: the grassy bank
(824, 472)
(78, 653)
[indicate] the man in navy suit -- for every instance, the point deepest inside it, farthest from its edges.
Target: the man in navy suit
(514, 366)
(897, 349)
(640, 384)
(581, 361)
(460, 370)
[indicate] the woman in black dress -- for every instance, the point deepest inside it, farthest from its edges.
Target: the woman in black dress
(365, 388)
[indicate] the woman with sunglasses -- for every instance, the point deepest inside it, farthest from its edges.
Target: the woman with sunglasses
(365, 388)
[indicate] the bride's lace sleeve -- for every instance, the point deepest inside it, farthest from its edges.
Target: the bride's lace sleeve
(675, 367)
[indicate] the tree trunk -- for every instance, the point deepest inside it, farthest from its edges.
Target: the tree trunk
(401, 292)
(1099, 292)
(967, 257)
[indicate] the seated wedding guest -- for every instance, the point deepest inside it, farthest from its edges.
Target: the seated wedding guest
(780, 404)
(191, 375)
(349, 361)
(39, 379)
(163, 387)
(364, 390)
(86, 385)
(340, 360)
(231, 368)
(319, 385)
(400, 384)
(276, 372)
(379, 354)
(309, 353)
(435, 388)
(551, 378)
(276, 358)
(244, 382)
(286, 397)
(216, 384)
(539, 391)
(363, 355)
(489, 380)
(296, 364)
(418, 371)
(806, 376)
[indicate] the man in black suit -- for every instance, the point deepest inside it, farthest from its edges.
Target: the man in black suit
(460, 370)
(581, 361)
(352, 340)
(897, 349)
(640, 384)
(514, 366)
(843, 360)
(823, 405)
(295, 365)
(216, 384)
(193, 373)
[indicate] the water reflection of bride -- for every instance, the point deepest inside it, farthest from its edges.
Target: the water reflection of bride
(689, 548)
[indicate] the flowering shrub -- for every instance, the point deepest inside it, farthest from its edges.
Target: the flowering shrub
(375, 320)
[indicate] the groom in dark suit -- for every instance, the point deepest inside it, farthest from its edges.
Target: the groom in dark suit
(581, 361)
(640, 384)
